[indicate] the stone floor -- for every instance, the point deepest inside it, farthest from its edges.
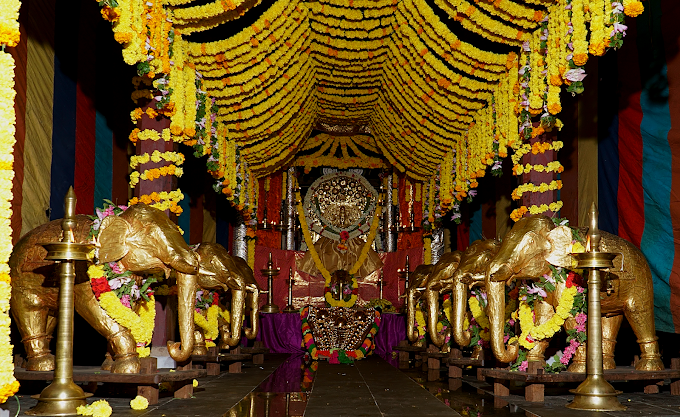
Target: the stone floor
(287, 386)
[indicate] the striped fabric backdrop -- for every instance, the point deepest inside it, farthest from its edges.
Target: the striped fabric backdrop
(639, 154)
(72, 112)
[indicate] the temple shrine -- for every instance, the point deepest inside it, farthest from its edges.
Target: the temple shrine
(339, 208)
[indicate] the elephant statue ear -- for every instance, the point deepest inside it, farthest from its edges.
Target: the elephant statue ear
(112, 239)
(560, 247)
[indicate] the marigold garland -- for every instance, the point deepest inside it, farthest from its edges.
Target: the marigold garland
(141, 325)
(532, 333)
(480, 317)
(8, 383)
(9, 24)
(341, 302)
(414, 66)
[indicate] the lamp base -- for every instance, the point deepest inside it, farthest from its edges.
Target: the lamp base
(269, 308)
(595, 394)
(59, 399)
(290, 309)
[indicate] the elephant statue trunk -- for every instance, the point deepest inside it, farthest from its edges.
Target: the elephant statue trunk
(411, 332)
(186, 295)
(238, 305)
(460, 334)
(254, 298)
(432, 297)
(499, 272)
(496, 314)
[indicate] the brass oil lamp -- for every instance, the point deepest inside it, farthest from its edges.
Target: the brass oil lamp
(265, 224)
(405, 274)
(62, 397)
(270, 272)
(595, 393)
(289, 308)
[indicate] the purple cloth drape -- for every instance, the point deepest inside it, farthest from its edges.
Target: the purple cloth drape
(282, 333)
(392, 330)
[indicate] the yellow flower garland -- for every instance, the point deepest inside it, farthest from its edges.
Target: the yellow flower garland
(480, 316)
(550, 327)
(8, 383)
(421, 324)
(9, 23)
(141, 325)
(532, 188)
(340, 303)
(208, 324)
(170, 156)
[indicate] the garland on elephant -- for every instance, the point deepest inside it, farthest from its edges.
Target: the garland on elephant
(120, 293)
(572, 303)
(119, 296)
(206, 313)
(443, 321)
(478, 325)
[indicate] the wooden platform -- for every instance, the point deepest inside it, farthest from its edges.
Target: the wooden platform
(457, 362)
(405, 350)
(213, 360)
(535, 381)
(147, 383)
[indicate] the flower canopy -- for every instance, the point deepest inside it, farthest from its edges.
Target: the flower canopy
(444, 87)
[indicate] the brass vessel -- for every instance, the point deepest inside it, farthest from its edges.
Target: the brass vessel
(595, 393)
(62, 397)
(270, 272)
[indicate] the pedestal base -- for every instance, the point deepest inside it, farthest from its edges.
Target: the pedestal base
(595, 394)
(290, 309)
(59, 399)
(269, 308)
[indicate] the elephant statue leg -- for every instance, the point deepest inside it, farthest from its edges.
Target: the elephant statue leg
(199, 343)
(610, 329)
(121, 342)
(32, 319)
(643, 327)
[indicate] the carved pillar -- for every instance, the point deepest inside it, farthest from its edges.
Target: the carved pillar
(390, 240)
(240, 245)
(290, 209)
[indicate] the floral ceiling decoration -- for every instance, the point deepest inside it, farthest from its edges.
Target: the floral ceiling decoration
(446, 88)
(342, 152)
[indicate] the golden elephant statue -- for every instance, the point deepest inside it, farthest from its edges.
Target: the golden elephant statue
(527, 251)
(470, 272)
(221, 271)
(143, 240)
(413, 294)
(434, 284)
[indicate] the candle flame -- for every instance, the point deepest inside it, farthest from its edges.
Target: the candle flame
(71, 236)
(588, 243)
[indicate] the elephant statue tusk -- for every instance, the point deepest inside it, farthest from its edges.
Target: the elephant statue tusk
(202, 271)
